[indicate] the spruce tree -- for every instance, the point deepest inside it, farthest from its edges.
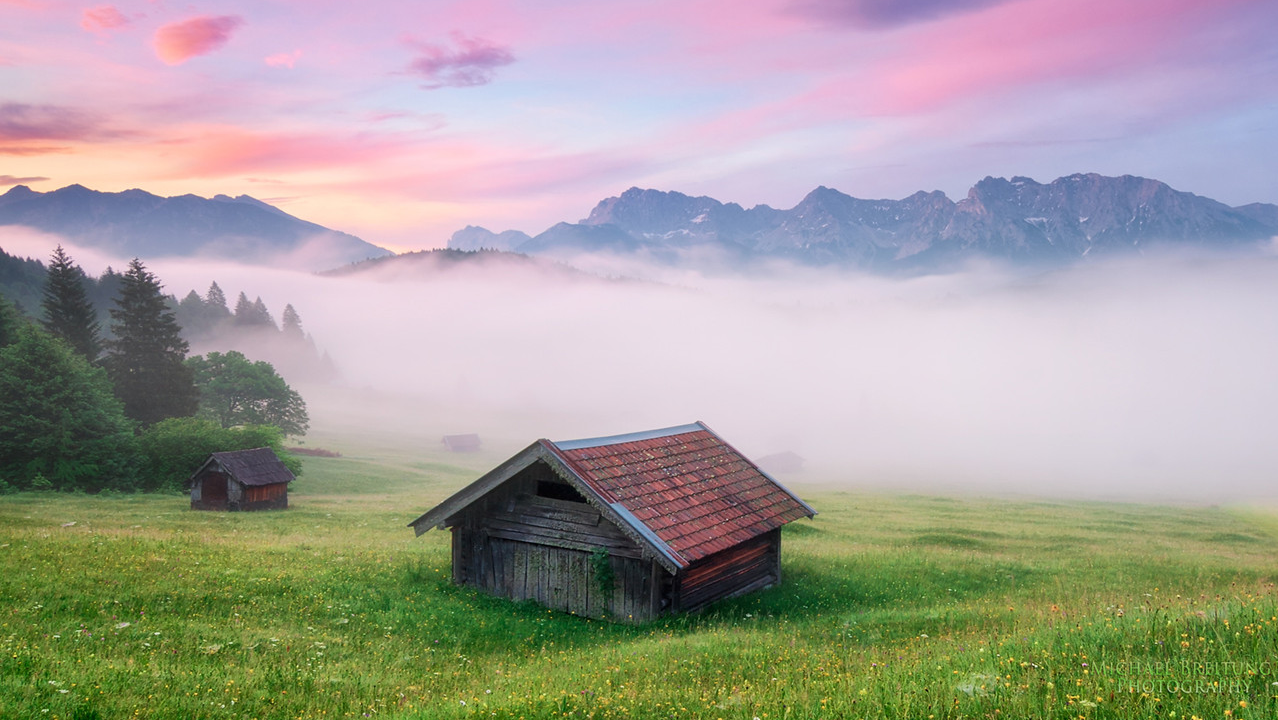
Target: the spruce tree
(58, 418)
(68, 312)
(244, 314)
(203, 317)
(263, 315)
(102, 295)
(147, 354)
(10, 321)
(292, 324)
(192, 315)
(215, 300)
(253, 314)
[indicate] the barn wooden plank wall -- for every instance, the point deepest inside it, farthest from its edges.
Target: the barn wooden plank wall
(519, 544)
(213, 490)
(560, 578)
(265, 496)
(747, 567)
(557, 522)
(516, 544)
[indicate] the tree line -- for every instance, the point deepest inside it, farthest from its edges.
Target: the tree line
(207, 321)
(130, 411)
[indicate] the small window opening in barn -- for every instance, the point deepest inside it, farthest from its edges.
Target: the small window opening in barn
(559, 491)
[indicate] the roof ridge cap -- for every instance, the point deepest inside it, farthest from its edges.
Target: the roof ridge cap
(628, 437)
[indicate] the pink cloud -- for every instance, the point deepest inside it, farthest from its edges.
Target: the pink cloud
(283, 60)
(178, 42)
(1019, 45)
(421, 122)
(102, 19)
(29, 150)
(472, 62)
(225, 151)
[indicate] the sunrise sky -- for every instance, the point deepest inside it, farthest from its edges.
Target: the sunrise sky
(401, 122)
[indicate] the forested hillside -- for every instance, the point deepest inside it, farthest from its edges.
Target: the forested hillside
(119, 405)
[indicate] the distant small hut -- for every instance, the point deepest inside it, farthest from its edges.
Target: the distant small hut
(241, 480)
(626, 527)
(466, 442)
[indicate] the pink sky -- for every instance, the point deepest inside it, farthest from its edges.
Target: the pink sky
(402, 122)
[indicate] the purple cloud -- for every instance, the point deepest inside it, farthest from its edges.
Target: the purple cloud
(21, 122)
(469, 62)
(882, 14)
(6, 180)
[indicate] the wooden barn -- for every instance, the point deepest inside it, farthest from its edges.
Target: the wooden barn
(626, 527)
(467, 442)
(241, 480)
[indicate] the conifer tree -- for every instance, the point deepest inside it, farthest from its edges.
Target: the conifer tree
(203, 317)
(215, 300)
(147, 354)
(192, 315)
(68, 312)
(263, 315)
(10, 321)
(292, 324)
(252, 314)
(102, 295)
(58, 418)
(243, 310)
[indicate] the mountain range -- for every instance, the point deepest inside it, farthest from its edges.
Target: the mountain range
(137, 223)
(1018, 220)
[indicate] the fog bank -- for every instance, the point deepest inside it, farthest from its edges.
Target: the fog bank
(1151, 379)
(1147, 378)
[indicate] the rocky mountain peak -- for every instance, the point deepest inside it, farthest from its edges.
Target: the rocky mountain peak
(653, 211)
(18, 191)
(1018, 220)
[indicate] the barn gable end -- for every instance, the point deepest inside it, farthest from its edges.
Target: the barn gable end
(241, 480)
(676, 518)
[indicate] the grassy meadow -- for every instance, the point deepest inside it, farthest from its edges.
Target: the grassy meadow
(892, 606)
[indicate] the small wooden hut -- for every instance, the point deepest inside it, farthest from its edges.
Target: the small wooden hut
(467, 442)
(241, 480)
(626, 527)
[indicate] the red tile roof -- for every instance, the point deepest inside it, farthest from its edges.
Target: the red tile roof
(688, 487)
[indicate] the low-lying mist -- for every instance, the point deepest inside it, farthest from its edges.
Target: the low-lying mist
(1149, 378)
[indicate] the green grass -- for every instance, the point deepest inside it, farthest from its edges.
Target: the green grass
(892, 606)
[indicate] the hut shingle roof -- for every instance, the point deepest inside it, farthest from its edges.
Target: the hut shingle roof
(259, 466)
